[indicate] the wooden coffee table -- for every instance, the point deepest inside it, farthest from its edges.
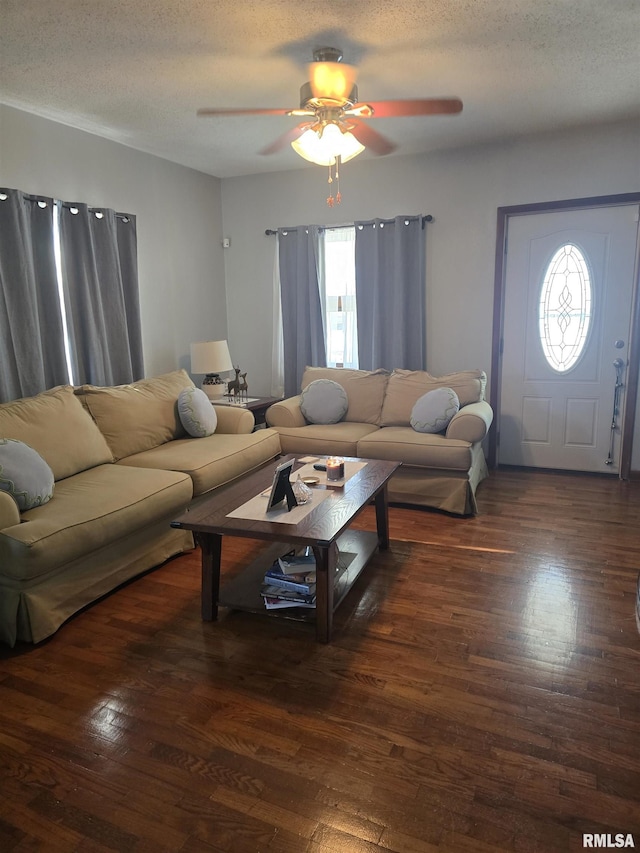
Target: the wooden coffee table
(325, 529)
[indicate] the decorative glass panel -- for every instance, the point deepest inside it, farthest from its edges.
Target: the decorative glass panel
(565, 308)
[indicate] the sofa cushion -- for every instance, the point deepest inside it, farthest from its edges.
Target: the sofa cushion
(57, 427)
(24, 474)
(422, 450)
(324, 439)
(365, 390)
(433, 411)
(324, 401)
(138, 416)
(405, 387)
(91, 510)
(213, 460)
(197, 415)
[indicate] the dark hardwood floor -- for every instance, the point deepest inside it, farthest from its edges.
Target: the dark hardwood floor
(481, 694)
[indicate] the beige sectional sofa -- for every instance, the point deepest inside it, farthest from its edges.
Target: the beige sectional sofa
(124, 467)
(439, 471)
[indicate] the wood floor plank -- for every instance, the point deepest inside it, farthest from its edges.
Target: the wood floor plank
(480, 695)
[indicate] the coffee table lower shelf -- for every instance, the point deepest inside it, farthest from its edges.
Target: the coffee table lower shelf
(243, 591)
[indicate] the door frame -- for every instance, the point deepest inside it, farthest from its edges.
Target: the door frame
(633, 357)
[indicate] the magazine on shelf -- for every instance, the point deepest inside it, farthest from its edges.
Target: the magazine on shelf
(282, 603)
(271, 591)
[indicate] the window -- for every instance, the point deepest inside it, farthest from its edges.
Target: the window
(63, 311)
(565, 308)
(339, 297)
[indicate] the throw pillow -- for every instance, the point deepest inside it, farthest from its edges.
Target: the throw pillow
(433, 411)
(324, 401)
(197, 414)
(24, 474)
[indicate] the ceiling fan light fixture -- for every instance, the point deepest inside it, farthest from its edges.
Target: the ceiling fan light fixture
(333, 131)
(323, 148)
(332, 80)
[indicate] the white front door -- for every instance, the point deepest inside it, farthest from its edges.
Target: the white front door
(568, 294)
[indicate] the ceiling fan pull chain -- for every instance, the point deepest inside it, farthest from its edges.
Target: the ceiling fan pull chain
(331, 201)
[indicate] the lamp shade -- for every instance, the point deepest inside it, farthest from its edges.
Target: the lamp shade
(324, 149)
(210, 357)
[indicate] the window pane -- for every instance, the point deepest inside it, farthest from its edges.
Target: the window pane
(340, 297)
(565, 308)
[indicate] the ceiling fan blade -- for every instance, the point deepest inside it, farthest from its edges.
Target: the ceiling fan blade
(332, 80)
(243, 112)
(415, 107)
(370, 138)
(287, 138)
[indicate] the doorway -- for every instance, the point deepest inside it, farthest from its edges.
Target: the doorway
(565, 363)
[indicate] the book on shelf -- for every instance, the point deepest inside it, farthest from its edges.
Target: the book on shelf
(294, 564)
(304, 582)
(290, 582)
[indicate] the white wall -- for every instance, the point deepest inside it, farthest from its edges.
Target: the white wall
(179, 222)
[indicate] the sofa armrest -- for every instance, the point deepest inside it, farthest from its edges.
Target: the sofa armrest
(471, 423)
(234, 420)
(286, 413)
(9, 512)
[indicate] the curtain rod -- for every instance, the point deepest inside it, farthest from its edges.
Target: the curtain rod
(425, 218)
(126, 217)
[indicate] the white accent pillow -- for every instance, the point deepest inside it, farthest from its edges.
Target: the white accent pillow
(24, 474)
(197, 415)
(324, 401)
(433, 411)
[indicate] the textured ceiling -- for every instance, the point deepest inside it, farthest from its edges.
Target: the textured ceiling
(137, 71)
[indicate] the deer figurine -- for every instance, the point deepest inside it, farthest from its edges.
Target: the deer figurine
(243, 387)
(234, 385)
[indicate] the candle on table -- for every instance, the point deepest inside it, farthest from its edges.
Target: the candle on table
(335, 468)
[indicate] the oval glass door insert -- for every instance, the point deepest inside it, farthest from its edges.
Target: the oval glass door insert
(565, 308)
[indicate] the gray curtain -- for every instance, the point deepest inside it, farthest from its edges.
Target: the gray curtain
(302, 322)
(390, 293)
(32, 356)
(100, 280)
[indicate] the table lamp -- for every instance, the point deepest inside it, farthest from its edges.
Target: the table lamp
(211, 358)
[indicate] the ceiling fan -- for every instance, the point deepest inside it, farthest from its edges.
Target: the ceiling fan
(333, 130)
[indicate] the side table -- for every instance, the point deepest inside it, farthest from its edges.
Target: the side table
(257, 405)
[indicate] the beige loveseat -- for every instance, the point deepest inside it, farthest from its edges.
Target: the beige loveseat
(124, 467)
(439, 470)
